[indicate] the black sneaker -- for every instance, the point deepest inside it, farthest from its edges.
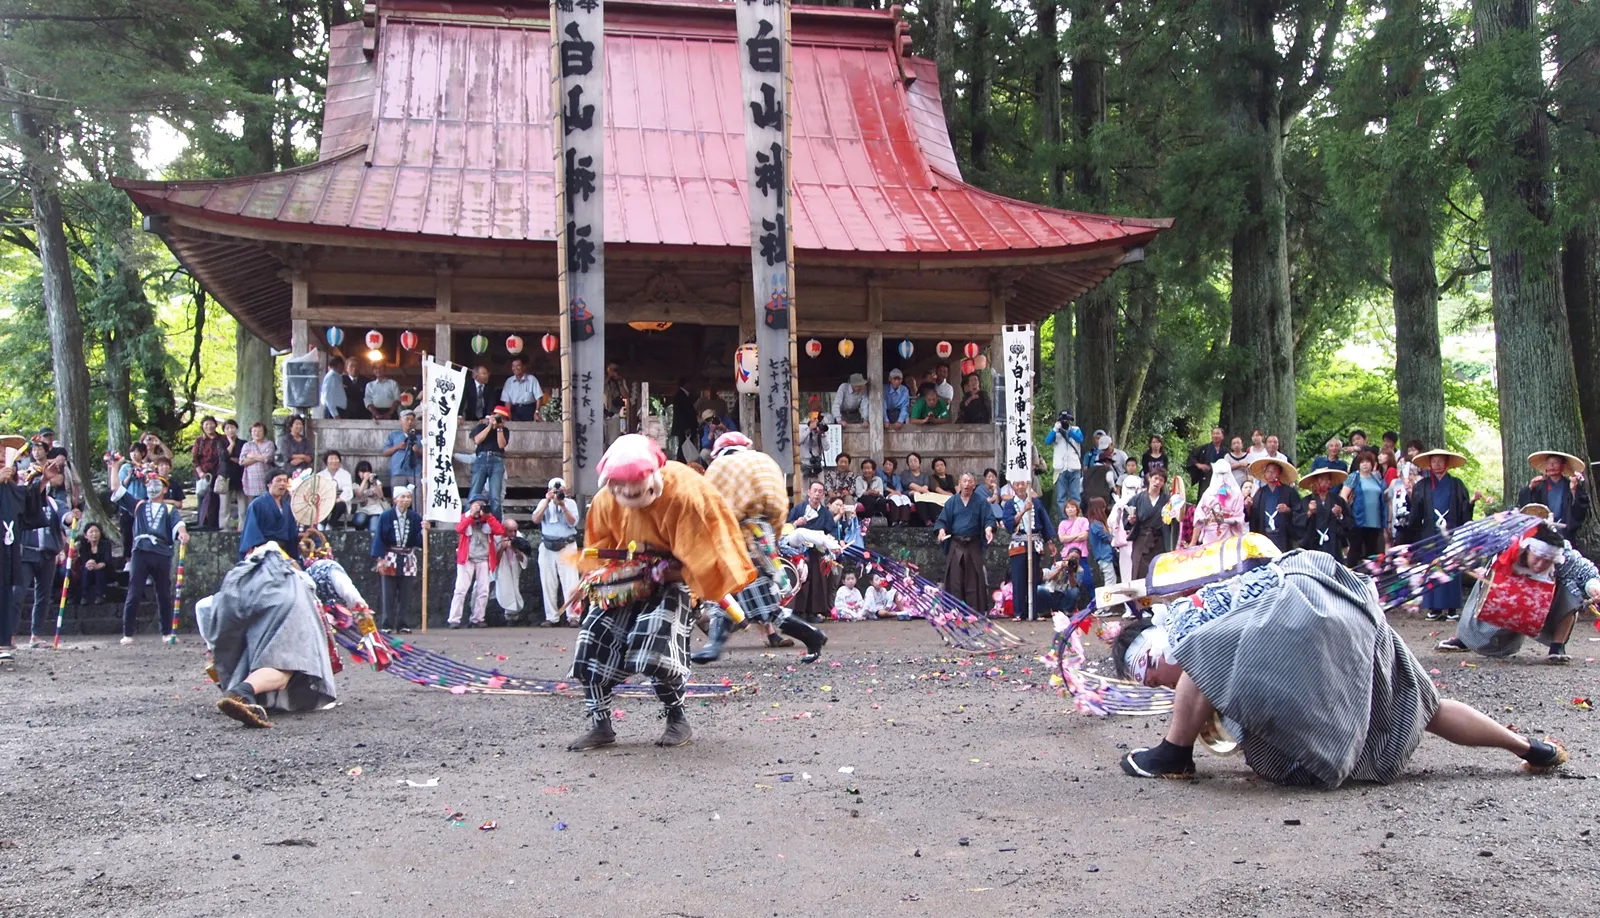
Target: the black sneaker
(1435, 615)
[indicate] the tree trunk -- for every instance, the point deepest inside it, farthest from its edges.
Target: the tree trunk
(1578, 155)
(119, 405)
(1144, 301)
(1533, 347)
(254, 394)
(980, 91)
(1259, 387)
(1047, 13)
(944, 57)
(1097, 309)
(1066, 363)
(1418, 364)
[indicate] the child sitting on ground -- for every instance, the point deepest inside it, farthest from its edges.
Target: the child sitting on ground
(881, 599)
(848, 605)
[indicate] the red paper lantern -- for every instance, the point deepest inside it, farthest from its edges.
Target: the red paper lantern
(943, 349)
(514, 344)
(549, 342)
(968, 367)
(970, 351)
(374, 340)
(408, 340)
(813, 348)
(981, 361)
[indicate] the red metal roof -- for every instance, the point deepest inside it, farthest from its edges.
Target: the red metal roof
(446, 132)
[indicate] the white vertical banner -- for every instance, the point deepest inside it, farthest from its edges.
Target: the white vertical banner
(442, 386)
(578, 68)
(764, 78)
(1018, 393)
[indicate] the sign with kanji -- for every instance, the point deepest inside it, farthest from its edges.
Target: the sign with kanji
(764, 79)
(578, 65)
(1018, 393)
(442, 386)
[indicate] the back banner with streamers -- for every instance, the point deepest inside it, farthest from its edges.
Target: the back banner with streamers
(1019, 402)
(442, 386)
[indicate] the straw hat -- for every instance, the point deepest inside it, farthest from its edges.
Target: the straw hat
(1453, 461)
(1539, 510)
(1309, 480)
(1290, 474)
(1574, 465)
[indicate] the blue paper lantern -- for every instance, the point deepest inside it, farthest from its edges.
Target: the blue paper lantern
(906, 349)
(335, 335)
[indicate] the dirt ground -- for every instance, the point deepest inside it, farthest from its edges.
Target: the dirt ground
(868, 784)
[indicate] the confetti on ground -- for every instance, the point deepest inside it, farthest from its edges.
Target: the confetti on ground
(488, 827)
(355, 772)
(848, 770)
(431, 782)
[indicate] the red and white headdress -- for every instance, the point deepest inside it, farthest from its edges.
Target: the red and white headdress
(632, 457)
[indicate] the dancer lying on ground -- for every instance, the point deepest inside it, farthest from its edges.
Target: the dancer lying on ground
(1542, 558)
(1305, 671)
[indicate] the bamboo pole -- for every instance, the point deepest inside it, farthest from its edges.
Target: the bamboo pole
(569, 416)
(418, 490)
(788, 216)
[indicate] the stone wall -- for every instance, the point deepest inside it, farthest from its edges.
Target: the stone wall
(212, 554)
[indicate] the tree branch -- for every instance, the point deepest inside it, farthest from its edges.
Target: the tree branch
(63, 17)
(1295, 99)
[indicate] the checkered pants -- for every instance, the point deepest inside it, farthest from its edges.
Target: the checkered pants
(649, 637)
(760, 600)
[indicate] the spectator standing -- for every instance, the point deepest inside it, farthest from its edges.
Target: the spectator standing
(91, 564)
(1239, 462)
(404, 449)
(557, 518)
(369, 503)
(1101, 552)
(129, 474)
(850, 401)
(174, 492)
(974, 404)
(1365, 493)
(968, 525)
(209, 454)
(41, 549)
(684, 428)
(396, 544)
(941, 382)
(1332, 459)
(476, 400)
(1028, 523)
(157, 528)
(522, 392)
(355, 392)
(382, 396)
(156, 449)
(1066, 459)
(333, 470)
(476, 558)
(256, 457)
(489, 464)
(333, 401)
(230, 481)
(1202, 457)
(1155, 457)
(896, 401)
(616, 401)
(294, 446)
(709, 401)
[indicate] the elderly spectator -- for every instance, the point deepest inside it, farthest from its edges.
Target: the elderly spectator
(333, 470)
(404, 449)
(838, 481)
(477, 400)
(850, 402)
(896, 401)
(397, 546)
(1335, 449)
(929, 407)
(871, 492)
(294, 446)
(209, 452)
(968, 524)
(369, 502)
(256, 457)
(975, 407)
(333, 399)
(897, 500)
(382, 397)
(522, 392)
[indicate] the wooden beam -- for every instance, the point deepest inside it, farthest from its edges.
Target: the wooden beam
(395, 318)
(875, 380)
(904, 329)
(299, 329)
(443, 291)
(337, 283)
(441, 342)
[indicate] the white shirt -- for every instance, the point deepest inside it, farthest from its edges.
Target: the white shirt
(946, 391)
(342, 480)
(333, 397)
(524, 391)
(382, 393)
(847, 399)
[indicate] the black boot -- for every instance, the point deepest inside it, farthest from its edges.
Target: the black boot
(718, 632)
(677, 732)
(808, 634)
(600, 734)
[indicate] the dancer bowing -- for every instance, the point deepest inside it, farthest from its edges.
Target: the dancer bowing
(655, 532)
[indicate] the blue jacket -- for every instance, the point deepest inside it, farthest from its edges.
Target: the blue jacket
(383, 538)
(1100, 542)
(1041, 517)
(823, 522)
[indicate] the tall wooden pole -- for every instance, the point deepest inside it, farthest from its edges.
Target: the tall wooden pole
(420, 497)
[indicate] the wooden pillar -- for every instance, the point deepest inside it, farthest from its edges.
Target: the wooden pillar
(997, 316)
(747, 331)
(443, 296)
(299, 302)
(875, 380)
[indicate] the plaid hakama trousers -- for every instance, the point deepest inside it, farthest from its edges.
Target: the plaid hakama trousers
(759, 601)
(648, 637)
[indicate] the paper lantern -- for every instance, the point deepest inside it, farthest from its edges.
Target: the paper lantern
(846, 347)
(335, 335)
(745, 366)
(407, 399)
(650, 326)
(813, 348)
(408, 340)
(479, 344)
(514, 344)
(969, 366)
(981, 361)
(943, 349)
(374, 340)
(549, 342)
(906, 349)
(970, 351)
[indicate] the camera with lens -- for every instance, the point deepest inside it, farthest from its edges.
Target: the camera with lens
(1064, 419)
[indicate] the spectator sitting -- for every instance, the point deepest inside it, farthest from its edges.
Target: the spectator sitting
(369, 502)
(850, 402)
(838, 482)
(848, 606)
(851, 532)
(929, 407)
(870, 489)
(294, 447)
(91, 564)
(881, 600)
(974, 404)
(897, 504)
(941, 382)
(333, 470)
(404, 449)
(896, 401)
(991, 491)
(382, 396)
(1068, 586)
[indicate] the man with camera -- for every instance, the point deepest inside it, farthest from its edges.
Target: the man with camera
(557, 518)
(813, 441)
(476, 559)
(1067, 460)
(489, 465)
(404, 449)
